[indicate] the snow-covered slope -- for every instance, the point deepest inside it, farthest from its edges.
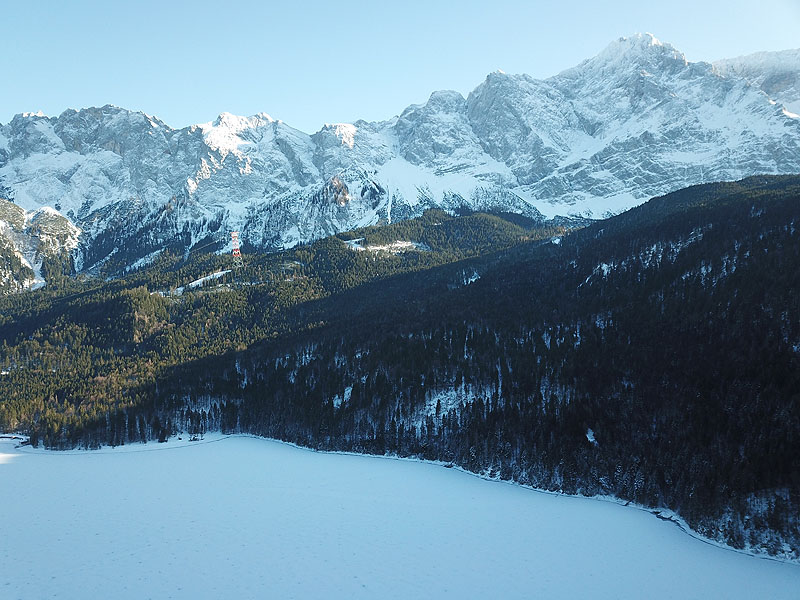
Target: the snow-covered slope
(777, 74)
(635, 121)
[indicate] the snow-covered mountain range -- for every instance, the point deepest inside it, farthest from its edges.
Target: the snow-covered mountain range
(635, 121)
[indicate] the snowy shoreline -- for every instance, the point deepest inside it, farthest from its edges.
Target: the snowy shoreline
(269, 518)
(185, 441)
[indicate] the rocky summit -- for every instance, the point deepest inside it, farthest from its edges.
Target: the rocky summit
(636, 121)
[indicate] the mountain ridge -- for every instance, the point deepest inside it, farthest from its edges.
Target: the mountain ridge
(635, 121)
(777, 74)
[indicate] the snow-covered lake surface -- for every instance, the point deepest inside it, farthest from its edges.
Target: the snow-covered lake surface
(241, 517)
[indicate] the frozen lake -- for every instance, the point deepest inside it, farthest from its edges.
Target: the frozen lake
(244, 517)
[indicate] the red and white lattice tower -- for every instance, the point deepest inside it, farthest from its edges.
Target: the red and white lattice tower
(238, 262)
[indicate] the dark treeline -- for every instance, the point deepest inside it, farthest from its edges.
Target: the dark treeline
(654, 356)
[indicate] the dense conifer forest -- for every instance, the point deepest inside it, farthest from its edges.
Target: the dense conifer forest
(653, 356)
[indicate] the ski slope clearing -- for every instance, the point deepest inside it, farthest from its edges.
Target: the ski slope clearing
(202, 280)
(245, 517)
(396, 247)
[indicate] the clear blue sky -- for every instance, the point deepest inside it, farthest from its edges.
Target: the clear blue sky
(308, 63)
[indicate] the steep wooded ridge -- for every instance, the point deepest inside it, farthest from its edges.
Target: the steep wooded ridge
(653, 356)
(635, 121)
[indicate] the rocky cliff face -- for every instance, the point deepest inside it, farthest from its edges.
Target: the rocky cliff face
(635, 121)
(27, 240)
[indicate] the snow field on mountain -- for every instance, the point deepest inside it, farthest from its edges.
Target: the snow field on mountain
(245, 517)
(202, 280)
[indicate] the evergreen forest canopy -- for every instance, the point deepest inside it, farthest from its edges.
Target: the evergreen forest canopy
(653, 356)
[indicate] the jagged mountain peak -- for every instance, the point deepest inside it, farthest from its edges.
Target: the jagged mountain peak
(233, 134)
(109, 118)
(106, 109)
(638, 52)
(640, 44)
(640, 41)
(500, 78)
(344, 132)
(108, 113)
(31, 114)
(446, 98)
(441, 101)
(239, 123)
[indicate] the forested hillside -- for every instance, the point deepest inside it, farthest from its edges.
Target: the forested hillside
(79, 349)
(653, 356)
